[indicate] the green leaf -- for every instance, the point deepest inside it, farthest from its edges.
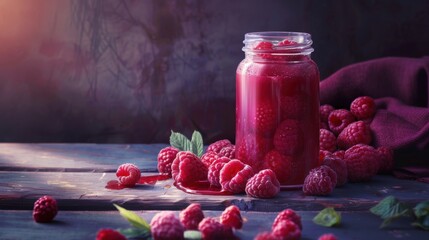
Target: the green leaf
(389, 209)
(180, 142)
(328, 217)
(421, 209)
(135, 233)
(133, 218)
(197, 143)
(193, 235)
(422, 222)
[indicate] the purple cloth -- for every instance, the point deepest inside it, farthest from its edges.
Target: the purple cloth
(400, 87)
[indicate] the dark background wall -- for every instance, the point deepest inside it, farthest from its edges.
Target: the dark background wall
(131, 70)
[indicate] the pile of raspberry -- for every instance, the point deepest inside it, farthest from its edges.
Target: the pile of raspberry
(219, 167)
(346, 153)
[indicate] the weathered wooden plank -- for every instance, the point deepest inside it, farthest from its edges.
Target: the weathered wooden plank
(85, 224)
(77, 157)
(86, 191)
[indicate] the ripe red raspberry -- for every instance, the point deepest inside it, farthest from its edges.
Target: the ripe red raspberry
(45, 209)
(109, 234)
(327, 140)
(288, 138)
(327, 236)
(252, 149)
(264, 184)
(165, 225)
(280, 164)
(228, 152)
(218, 145)
(188, 168)
(264, 119)
(339, 154)
(286, 42)
(362, 162)
(214, 171)
(324, 111)
(386, 159)
(363, 107)
(208, 158)
(165, 158)
(339, 119)
(323, 154)
(128, 174)
(267, 236)
(231, 217)
(287, 229)
(292, 107)
(234, 176)
(354, 133)
(290, 215)
(263, 46)
(320, 181)
(339, 166)
(211, 229)
(191, 216)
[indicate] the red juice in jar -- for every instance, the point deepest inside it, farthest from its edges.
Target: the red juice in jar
(277, 105)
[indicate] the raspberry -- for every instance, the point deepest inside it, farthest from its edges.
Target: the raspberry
(188, 168)
(290, 215)
(191, 216)
(231, 217)
(280, 164)
(288, 138)
(292, 107)
(45, 209)
(264, 46)
(264, 184)
(340, 168)
(339, 154)
(327, 140)
(214, 171)
(128, 174)
(340, 119)
(267, 236)
(109, 234)
(165, 158)
(210, 228)
(265, 118)
(165, 225)
(286, 42)
(320, 181)
(252, 149)
(354, 133)
(218, 145)
(362, 162)
(386, 159)
(287, 229)
(327, 236)
(323, 154)
(363, 107)
(208, 158)
(324, 111)
(228, 152)
(234, 175)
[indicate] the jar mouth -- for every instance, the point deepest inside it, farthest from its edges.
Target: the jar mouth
(298, 42)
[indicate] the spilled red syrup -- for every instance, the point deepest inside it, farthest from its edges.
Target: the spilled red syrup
(144, 180)
(201, 187)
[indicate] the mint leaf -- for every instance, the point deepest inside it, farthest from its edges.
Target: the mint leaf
(135, 233)
(193, 235)
(421, 211)
(389, 209)
(197, 143)
(133, 218)
(180, 142)
(328, 217)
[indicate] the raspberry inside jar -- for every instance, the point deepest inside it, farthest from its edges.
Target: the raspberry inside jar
(277, 105)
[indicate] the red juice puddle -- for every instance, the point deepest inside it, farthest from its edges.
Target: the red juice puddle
(152, 179)
(114, 185)
(201, 187)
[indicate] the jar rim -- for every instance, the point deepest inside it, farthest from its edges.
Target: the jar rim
(302, 42)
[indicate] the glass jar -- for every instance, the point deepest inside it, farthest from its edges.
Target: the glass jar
(277, 105)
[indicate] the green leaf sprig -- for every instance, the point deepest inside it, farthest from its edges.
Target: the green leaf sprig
(328, 217)
(140, 229)
(181, 142)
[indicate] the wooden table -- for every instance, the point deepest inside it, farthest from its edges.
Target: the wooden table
(76, 175)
